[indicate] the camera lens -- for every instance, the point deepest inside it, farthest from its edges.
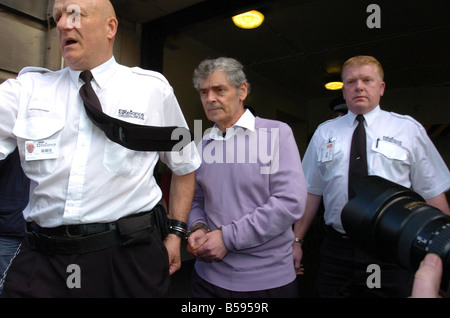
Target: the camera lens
(396, 225)
(428, 231)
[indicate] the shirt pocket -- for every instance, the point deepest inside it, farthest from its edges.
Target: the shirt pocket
(121, 160)
(390, 158)
(390, 150)
(40, 125)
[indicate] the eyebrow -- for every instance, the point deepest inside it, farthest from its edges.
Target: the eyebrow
(213, 87)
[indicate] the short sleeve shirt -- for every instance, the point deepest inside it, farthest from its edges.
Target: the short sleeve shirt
(398, 149)
(77, 174)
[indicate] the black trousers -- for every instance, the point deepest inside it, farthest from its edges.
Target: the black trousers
(344, 272)
(200, 288)
(139, 270)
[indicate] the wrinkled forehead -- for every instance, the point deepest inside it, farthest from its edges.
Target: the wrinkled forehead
(218, 78)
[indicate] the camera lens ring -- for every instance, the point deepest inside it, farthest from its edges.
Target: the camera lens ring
(421, 235)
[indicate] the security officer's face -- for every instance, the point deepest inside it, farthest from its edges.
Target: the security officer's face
(363, 88)
(86, 31)
(223, 102)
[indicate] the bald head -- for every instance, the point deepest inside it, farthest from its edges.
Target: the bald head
(101, 7)
(106, 7)
(86, 31)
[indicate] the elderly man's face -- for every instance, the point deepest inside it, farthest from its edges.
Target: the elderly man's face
(223, 102)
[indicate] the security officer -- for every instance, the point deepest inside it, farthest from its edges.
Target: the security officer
(398, 149)
(94, 203)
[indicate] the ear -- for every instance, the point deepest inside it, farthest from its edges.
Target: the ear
(243, 91)
(383, 87)
(343, 94)
(112, 25)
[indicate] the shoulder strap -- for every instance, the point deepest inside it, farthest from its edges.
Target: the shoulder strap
(140, 137)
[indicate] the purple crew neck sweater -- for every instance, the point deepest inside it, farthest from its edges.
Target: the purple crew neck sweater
(254, 190)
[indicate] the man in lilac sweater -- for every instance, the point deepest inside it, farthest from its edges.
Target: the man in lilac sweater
(250, 190)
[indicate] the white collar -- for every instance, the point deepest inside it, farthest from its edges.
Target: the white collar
(101, 73)
(246, 121)
(369, 117)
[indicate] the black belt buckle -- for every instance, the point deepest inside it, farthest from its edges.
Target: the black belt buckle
(74, 231)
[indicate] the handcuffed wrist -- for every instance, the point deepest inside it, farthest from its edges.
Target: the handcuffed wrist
(199, 226)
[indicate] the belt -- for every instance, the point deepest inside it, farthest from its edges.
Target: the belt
(72, 231)
(85, 238)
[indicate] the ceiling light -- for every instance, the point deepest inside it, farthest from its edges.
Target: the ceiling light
(249, 20)
(334, 86)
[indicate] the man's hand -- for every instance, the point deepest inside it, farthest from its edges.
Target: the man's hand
(195, 241)
(297, 253)
(207, 246)
(173, 245)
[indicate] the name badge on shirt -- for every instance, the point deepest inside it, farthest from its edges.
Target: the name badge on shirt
(328, 151)
(41, 150)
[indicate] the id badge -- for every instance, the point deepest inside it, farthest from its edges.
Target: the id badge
(328, 152)
(41, 150)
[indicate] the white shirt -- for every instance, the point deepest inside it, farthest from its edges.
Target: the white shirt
(246, 121)
(87, 178)
(398, 149)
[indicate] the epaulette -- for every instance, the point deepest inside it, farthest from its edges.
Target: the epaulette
(328, 121)
(34, 69)
(407, 117)
(154, 74)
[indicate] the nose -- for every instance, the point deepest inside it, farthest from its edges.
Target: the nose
(210, 96)
(358, 85)
(62, 23)
(67, 22)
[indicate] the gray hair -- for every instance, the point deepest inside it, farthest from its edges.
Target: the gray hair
(232, 67)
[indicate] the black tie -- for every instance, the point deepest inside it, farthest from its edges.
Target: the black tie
(87, 92)
(129, 135)
(358, 156)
